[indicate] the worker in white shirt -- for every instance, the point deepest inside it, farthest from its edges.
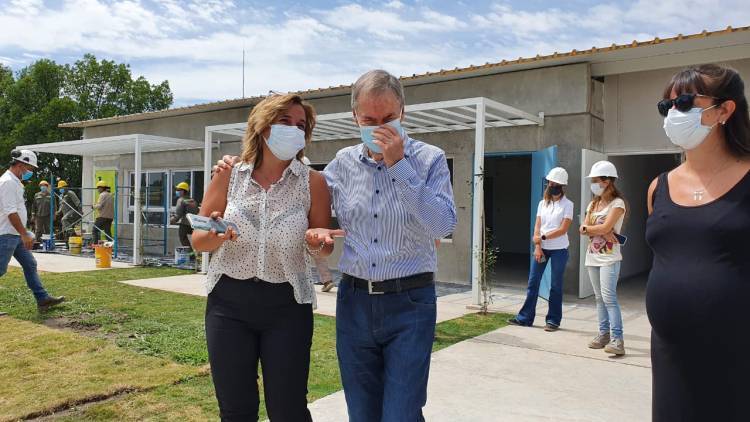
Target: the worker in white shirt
(15, 240)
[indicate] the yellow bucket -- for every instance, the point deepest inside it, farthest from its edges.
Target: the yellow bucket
(103, 256)
(74, 245)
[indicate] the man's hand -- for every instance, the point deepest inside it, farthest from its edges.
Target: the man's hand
(390, 142)
(28, 241)
(226, 163)
(316, 238)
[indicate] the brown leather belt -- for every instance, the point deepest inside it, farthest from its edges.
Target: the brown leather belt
(394, 285)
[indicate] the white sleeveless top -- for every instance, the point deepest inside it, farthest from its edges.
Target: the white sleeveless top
(272, 224)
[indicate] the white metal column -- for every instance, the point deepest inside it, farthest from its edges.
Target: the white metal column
(207, 164)
(477, 221)
(137, 258)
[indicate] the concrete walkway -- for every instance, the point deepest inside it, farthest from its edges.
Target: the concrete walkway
(527, 374)
(57, 263)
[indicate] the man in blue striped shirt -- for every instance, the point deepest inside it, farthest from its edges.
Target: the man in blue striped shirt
(393, 198)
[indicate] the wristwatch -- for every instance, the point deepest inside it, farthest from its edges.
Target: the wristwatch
(544, 237)
(584, 229)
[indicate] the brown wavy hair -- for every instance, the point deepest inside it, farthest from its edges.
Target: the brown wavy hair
(613, 191)
(263, 115)
(724, 84)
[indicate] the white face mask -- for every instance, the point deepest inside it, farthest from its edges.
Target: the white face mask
(285, 141)
(597, 189)
(684, 129)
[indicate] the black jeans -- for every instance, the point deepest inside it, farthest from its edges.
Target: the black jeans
(105, 226)
(248, 321)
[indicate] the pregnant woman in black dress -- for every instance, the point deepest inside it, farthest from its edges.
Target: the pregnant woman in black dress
(699, 231)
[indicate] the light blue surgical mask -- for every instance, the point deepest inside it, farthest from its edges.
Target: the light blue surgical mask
(285, 141)
(62, 190)
(43, 188)
(366, 135)
(27, 175)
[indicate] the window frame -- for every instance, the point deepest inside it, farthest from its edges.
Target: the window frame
(169, 191)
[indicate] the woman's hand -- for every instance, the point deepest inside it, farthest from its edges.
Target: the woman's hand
(611, 238)
(537, 239)
(581, 229)
(538, 254)
(230, 234)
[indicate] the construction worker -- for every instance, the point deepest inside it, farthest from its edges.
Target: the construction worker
(106, 208)
(68, 210)
(40, 210)
(185, 205)
(15, 240)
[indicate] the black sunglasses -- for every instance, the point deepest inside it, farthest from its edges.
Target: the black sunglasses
(683, 103)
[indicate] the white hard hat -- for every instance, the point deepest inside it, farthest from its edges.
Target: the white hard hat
(25, 156)
(558, 175)
(603, 169)
(305, 161)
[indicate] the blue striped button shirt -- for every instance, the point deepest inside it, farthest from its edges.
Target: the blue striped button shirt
(391, 216)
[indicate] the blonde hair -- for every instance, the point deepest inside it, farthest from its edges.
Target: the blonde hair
(263, 115)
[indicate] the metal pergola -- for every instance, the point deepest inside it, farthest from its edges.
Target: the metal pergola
(475, 114)
(136, 144)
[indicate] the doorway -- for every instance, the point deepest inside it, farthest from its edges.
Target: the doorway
(507, 207)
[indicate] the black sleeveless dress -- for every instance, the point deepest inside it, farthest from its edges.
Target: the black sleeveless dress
(698, 302)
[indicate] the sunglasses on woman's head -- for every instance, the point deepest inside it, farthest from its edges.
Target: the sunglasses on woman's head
(683, 102)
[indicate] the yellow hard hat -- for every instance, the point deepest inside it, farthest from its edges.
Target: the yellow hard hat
(43, 183)
(183, 186)
(62, 184)
(102, 184)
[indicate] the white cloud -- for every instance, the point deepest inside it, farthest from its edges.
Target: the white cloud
(197, 45)
(395, 4)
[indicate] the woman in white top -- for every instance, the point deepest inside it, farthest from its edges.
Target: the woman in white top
(260, 300)
(604, 217)
(553, 218)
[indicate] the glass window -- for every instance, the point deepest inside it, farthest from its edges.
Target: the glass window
(156, 189)
(197, 186)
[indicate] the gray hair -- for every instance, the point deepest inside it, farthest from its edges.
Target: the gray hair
(377, 81)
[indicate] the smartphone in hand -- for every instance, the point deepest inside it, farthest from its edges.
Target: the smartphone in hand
(621, 239)
(198, 222)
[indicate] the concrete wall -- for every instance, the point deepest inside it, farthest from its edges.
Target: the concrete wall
(636, 173)
(632, 122)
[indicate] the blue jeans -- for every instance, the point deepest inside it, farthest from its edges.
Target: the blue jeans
(604, 281)
(12, 246)
(558, 259)
(384, 344)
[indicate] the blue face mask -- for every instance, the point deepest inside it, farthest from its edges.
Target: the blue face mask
(368, 140)
(27, 175)
(43, 188)
(285, 141)
(62, 190)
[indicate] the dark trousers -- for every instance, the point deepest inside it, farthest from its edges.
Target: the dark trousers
(41, 226)
(103, 225)
(183, 232)
(249, 321)
(384, 344)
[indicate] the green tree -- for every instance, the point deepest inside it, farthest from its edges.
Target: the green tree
(41, 96)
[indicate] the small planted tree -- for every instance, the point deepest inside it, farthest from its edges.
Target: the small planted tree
(489, 256)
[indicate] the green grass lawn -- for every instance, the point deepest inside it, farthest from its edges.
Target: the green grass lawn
(170, 326)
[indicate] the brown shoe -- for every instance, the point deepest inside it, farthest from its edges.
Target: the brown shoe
(49, 302)
(327, 286)
(599, 341)
(551, 327)
(616, 347)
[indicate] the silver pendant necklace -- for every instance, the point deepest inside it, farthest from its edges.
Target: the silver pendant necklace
(698, 193)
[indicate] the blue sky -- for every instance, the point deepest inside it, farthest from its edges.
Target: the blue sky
(293, 45)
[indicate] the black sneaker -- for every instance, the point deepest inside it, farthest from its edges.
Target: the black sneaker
(515, 321)
(3, 313)
(551, 327)
(49, 302)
